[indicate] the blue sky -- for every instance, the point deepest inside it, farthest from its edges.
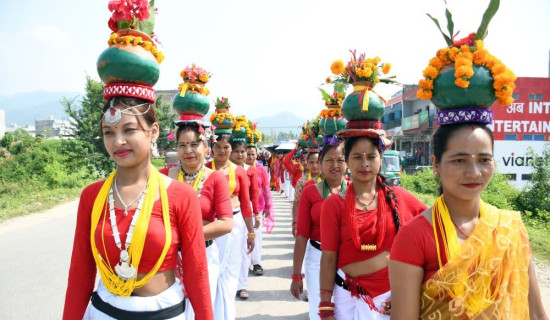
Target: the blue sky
(265, 56)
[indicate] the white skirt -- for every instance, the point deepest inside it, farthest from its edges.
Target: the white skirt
(213, 258)
(312, 266)
(165, 299)
(347, 307)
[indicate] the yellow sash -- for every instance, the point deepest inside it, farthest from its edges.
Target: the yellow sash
(112, 282)
(486, 277)
(319, 179)
(232, 178)
(197, 179)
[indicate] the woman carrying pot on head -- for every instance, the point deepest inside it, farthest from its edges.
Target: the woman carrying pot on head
(464, 258)
(307, 247)
(314, 175)
(265, 206)
(238, 157)
(130, 227)
(230, 245)
(213, 191)
(357, 230)
(463, 251)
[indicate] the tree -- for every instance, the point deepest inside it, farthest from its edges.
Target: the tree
(86, 118)
(536, 197)
(165, 117)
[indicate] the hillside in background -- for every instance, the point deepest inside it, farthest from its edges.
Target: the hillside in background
(281, 122)
(24, 108)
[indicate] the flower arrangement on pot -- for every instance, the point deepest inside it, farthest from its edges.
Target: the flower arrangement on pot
(253, 135)
(315, 139)
(132, 56)
(363, 73)
(464, 74)
(192, 99)
(240, 128)
(222, 119)
(302, 142)
(331, 118)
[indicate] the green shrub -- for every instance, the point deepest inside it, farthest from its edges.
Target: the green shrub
(500, 193)
(424, 182)
(535, 198)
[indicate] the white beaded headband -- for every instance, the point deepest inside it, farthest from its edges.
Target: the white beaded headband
(113, 115)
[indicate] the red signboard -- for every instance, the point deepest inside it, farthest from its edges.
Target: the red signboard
(528, 115)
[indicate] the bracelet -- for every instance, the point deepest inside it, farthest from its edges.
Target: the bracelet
(326, 308)
(326, 313)
(251, 235)
(326, 304)
(296, 277)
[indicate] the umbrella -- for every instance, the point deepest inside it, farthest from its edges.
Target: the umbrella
(286, 146)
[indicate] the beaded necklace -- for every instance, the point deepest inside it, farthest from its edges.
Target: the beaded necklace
(198, 178)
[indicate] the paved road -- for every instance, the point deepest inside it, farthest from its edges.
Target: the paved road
(36, 253)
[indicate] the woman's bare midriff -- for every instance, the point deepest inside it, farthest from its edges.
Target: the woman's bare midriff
(368, 266)
(159, 282)
(235, 203)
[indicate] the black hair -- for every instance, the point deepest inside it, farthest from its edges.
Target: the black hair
(236, 144)
(350, 142)
(149, 116)
(326, 149)
(186, 127)
(444, 133)
(309, 154)
(391, 199)
(225, 136)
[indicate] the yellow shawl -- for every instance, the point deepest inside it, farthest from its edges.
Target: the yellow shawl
(487, 277)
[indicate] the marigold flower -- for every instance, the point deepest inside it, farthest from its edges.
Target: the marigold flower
(386, 68)
(127, 40)
(480, 56)
(436, 63)
(424, 94)
(204, 77)
(338, 67)
(465, 48)
(464, 71)
(452, 53)
(430, 72)
(498, 68)
(367, 72)
(443, 55)
(461, 82)
(376, 60)
(328, 80)
(426, 84)
(461, 61)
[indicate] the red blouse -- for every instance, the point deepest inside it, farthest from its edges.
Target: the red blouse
(241, 189)
(214, 198)
(292, 168)
(254, 190)
(309, 213)
(186, 226)
(335, 235)
(415, 244)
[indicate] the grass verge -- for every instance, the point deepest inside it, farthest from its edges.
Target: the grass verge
(22, 199)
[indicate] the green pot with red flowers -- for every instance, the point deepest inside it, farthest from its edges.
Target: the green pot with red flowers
(363, 104)
(479, 93)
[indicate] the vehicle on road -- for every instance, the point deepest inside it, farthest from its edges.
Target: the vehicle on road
(391, 167)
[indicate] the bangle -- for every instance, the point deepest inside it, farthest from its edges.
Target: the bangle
(251, 235)
(326, 308)
(326, 304)
(325, 314)
(296, 277)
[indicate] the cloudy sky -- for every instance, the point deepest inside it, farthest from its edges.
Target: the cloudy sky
(265, 56)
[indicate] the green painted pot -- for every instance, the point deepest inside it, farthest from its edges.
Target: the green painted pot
(239, 135)
(352, 107)
(319, 140)
(302, 143)
(191, 103)
(127, 63)
(330, 126)
(226, 124)
(447, 95)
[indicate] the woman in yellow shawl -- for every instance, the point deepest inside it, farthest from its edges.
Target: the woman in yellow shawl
(463, 258)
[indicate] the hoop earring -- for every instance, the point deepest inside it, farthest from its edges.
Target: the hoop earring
(153, 146)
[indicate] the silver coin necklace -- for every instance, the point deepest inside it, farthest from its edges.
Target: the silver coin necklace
(124, 269)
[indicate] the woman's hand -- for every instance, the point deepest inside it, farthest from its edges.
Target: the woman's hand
(250, 244)
(297, 288)
(386, 307)
(257, 222)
